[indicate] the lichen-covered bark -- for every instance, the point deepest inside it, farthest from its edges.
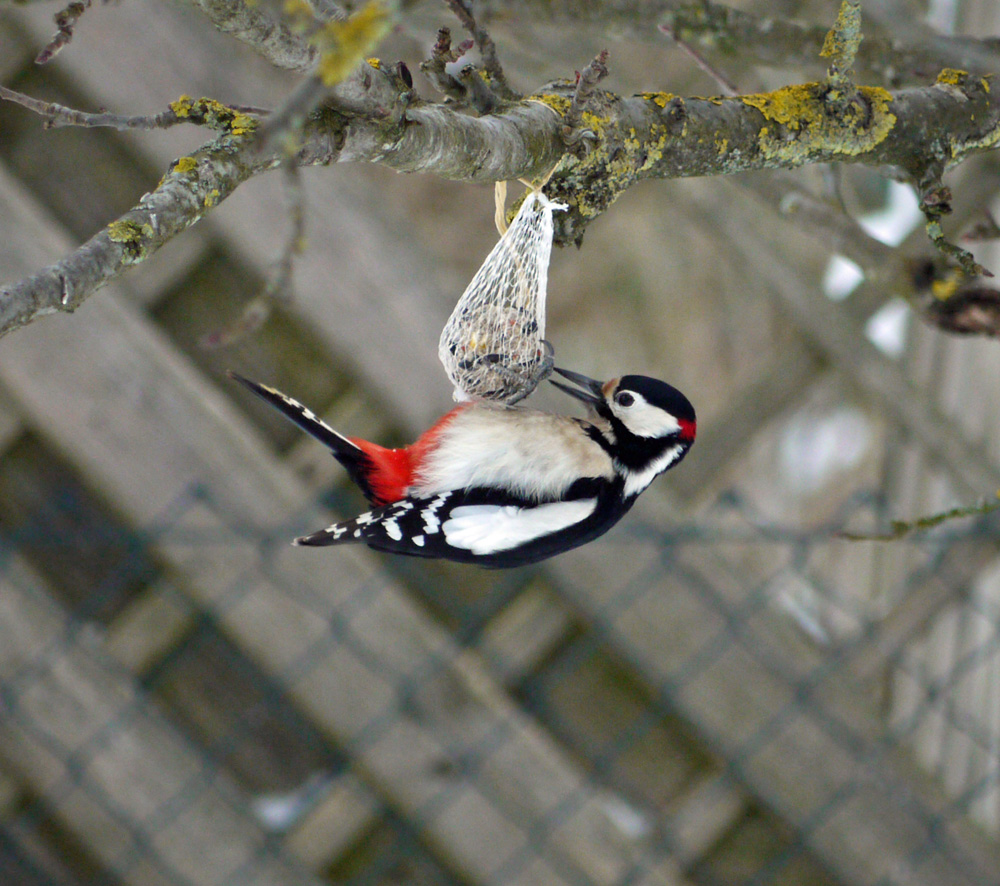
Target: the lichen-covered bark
(658, 135)
(253, 24)
(765, 39)
(521, 141)
(654, 135)
(192, 187)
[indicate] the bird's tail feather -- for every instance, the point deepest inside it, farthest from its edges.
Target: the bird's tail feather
(337, 534)
(345, 450)
(305, 418)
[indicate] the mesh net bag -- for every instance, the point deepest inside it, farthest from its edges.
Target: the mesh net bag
(493, 346)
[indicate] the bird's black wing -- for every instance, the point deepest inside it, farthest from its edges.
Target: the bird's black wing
(480, 525)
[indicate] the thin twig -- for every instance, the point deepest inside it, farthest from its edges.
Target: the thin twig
(279, 287)
(442, 54)
(724, 83)
(487, 49)
(66, 20)
(287, 119)
(57, 115)
(901, 528)
(478, 93)
(586, 83)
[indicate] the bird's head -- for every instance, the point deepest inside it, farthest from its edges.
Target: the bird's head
(652, 423)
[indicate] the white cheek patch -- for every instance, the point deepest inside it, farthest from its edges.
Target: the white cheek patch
(644, 420)
(485, 529)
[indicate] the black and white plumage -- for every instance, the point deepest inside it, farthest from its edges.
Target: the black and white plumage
(503, 485)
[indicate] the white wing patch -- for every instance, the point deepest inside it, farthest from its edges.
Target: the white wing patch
(485, 529)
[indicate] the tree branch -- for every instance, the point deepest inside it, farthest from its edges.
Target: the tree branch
(203, 112)
(652, 135)
(766, 39)
(659, 135)
(191, 188)
(487, 49)
(66, 20)
(260, 29)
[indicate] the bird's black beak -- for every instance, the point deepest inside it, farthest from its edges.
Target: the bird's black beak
(592, 393)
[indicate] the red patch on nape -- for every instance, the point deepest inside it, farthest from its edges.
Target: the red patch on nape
(393, 469)
(688, 429)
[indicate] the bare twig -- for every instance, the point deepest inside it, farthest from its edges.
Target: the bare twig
(935, 203)
(586, 83)
(724, 83)
(826, 220)
(66, 20)
(252, 24)
(442, 54)
(478, 94)
(279, 285)
(57, 115)
(487, 50)
(901, 528)
(200, 112)
(285, 124)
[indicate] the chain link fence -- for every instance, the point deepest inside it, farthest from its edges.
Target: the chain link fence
(689, 704)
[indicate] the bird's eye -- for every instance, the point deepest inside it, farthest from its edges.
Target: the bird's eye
(624, 399)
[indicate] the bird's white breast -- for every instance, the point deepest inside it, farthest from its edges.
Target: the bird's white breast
(530, 453)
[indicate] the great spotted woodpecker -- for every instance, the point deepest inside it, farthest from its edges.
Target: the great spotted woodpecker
(504, 486)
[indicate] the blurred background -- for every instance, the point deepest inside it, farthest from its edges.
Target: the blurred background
(720, 691)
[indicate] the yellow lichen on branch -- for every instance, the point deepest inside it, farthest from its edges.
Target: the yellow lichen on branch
(660, 99)
(132, 237)
(844, 38)
(952, 77)
(214, 114)
(811, 123)
(945, 288)
(345, 44)
(559, 103)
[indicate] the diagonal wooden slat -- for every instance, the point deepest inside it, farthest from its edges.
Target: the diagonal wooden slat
(107, 763)
(796, 733)
(695, 625)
